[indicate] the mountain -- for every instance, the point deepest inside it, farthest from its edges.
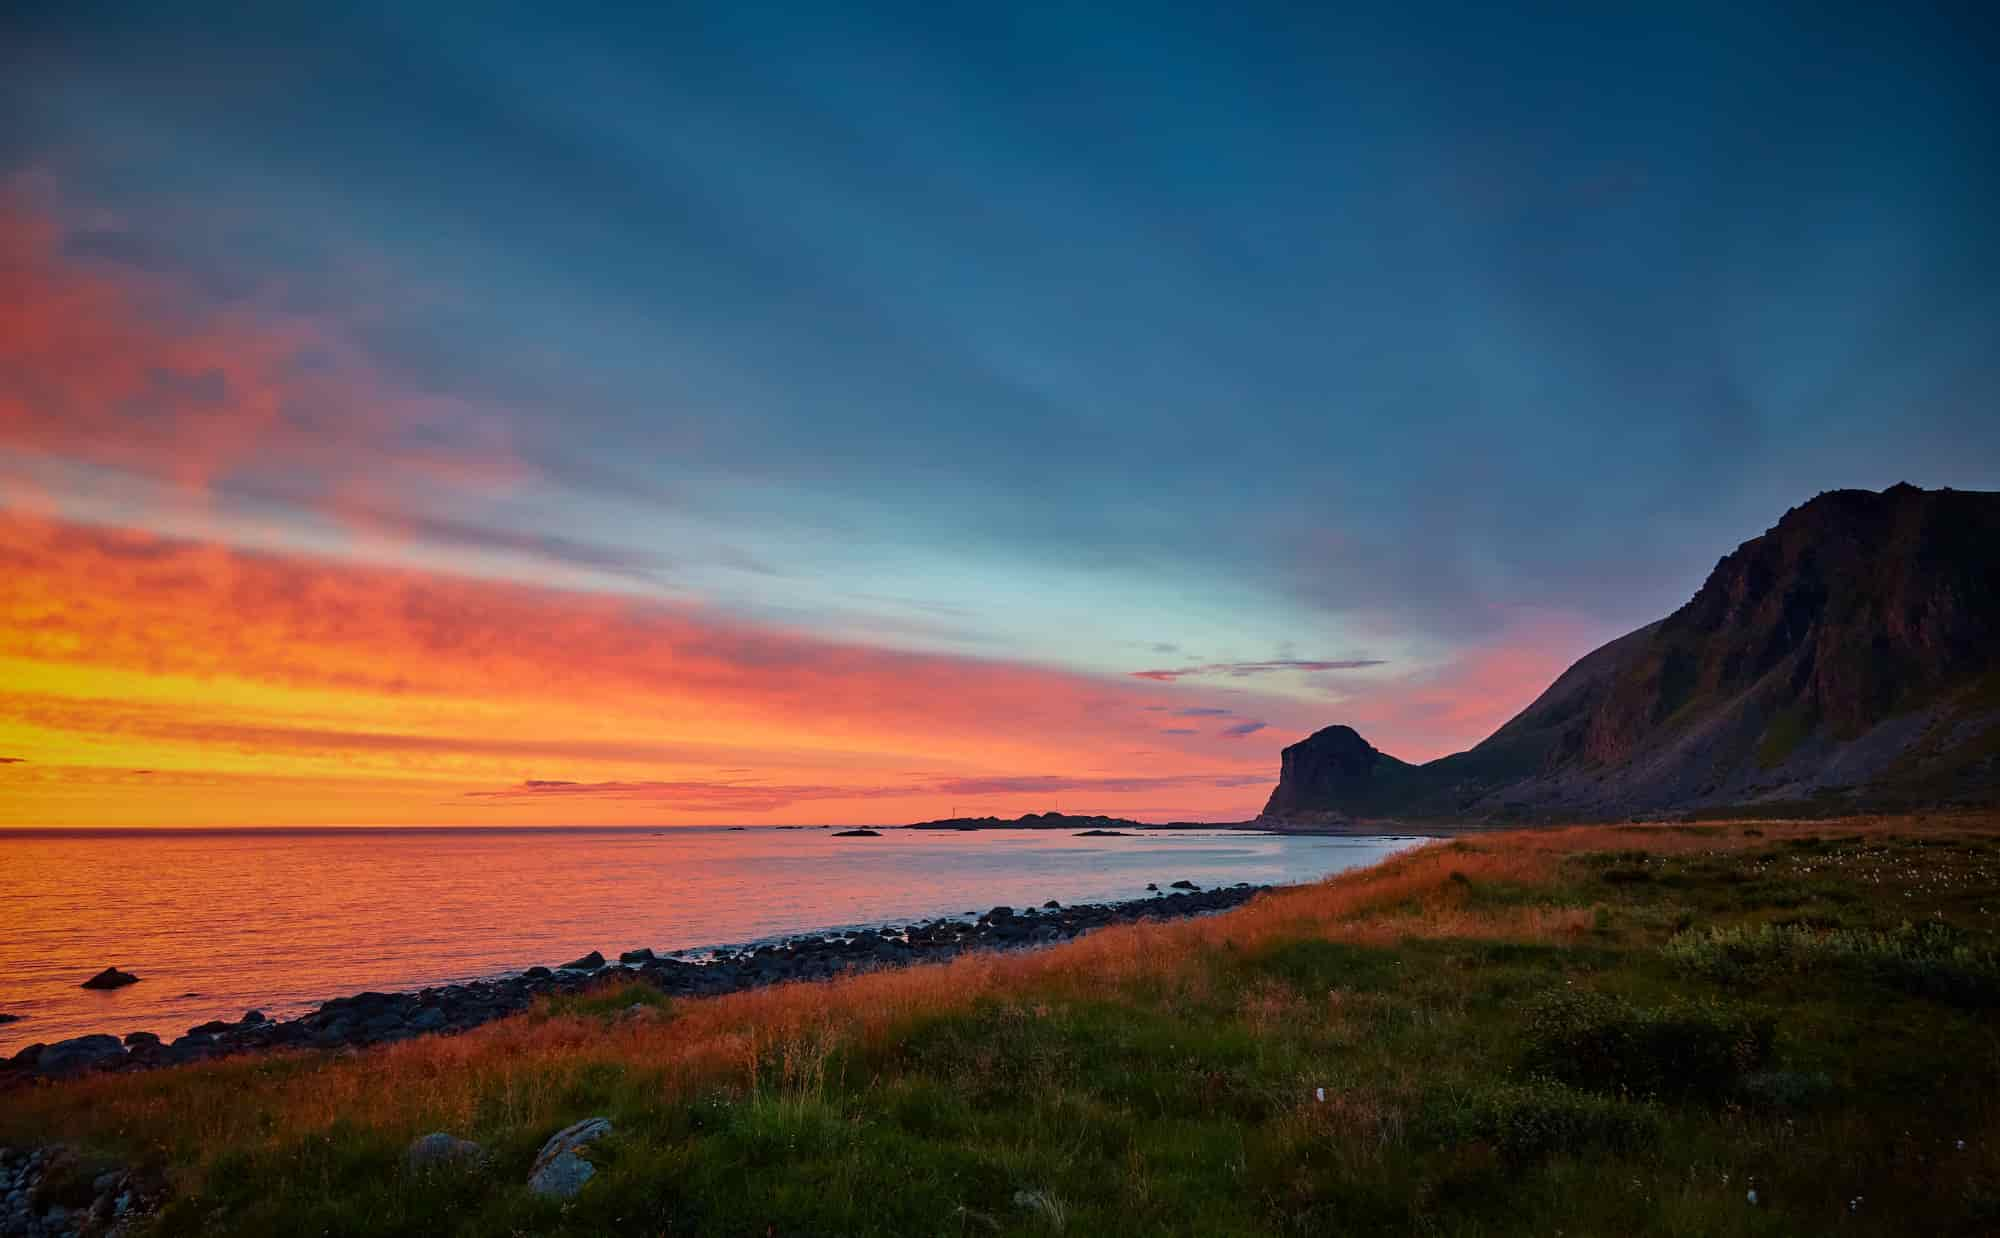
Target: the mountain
(1848, 658)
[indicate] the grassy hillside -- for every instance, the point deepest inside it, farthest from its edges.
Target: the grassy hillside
(1606, 1030)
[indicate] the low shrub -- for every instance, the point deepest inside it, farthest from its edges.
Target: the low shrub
(1932, 960)
(1685, 1049)
(1526, 1123)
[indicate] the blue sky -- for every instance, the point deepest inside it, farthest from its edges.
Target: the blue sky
(1107, 338)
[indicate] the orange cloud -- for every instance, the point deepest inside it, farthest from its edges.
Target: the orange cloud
(123, 649)
(1450, 708)
(123, 366)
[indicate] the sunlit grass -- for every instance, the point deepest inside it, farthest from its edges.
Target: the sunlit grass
(1507, 1033)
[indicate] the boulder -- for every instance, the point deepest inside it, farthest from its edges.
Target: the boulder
(589, 962)
(80, 1054)
(439, 1150)
(637, 956)
(1000, 914)
(6, 1018)
(560, 1171)
(134, 1039)
(110, 978)
(429, 1019)
(252, 1017)
(1185, 884)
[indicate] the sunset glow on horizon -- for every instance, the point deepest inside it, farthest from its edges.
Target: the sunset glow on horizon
(790, 432)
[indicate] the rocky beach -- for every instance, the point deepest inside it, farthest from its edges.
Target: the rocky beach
(373, 1018)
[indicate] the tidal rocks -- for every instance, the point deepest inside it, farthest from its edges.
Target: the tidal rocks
(1185, 884)
(589, 962)
(6, 1018)
(857, 834)
(69, 1057)
(560, 1171)
(440, 1150)
(110, 978)
(382, 1018)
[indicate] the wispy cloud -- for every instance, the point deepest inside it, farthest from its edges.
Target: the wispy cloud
(1241, 729)
(1239, 670)
(1203, 711)
(706, 795)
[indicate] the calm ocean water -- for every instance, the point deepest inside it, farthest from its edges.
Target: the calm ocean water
(217, 922)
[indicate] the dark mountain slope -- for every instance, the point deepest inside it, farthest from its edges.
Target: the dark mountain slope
(1848, 654)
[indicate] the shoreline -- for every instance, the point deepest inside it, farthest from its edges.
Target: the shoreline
(374, 1018)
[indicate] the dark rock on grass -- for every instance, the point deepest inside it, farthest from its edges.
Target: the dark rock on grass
(440, 1150)
(589, 962)
(82, 1053)
(560, 1170)
(857, 834)
(110, 978)
(637, 956)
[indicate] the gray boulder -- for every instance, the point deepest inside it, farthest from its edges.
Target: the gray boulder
(83, 1053)
(560, 1170)
(439, 1150)
(589, 962)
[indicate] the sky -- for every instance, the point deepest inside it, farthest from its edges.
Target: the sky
(492, 414)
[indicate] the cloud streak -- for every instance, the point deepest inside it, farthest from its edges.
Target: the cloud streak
(128, 649)
(1241, 670)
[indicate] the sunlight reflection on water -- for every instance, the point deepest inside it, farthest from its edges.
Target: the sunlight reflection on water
(217, 922)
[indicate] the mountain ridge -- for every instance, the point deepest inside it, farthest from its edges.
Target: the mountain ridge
(1845, 657)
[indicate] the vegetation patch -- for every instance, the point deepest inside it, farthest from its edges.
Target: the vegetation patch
(1601, 1043)
(1932, 960)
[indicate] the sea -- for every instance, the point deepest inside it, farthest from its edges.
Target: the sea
(217, 922)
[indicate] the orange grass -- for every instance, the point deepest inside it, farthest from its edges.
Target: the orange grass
(517, 1071)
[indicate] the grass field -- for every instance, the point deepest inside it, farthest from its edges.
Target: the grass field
(1593, 1031)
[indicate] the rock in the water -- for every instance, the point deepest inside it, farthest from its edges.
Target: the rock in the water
(560, 1170)
(252, 1017)
(82, 1053)
(135, 1039)
(110, 978)
(1185, 884)
(10, 1018)
(589, 962)
(637, 956)
(1000, 914)
(438, 1150)
(857, 834)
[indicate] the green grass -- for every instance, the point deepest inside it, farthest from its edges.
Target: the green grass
(1761, 1016)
